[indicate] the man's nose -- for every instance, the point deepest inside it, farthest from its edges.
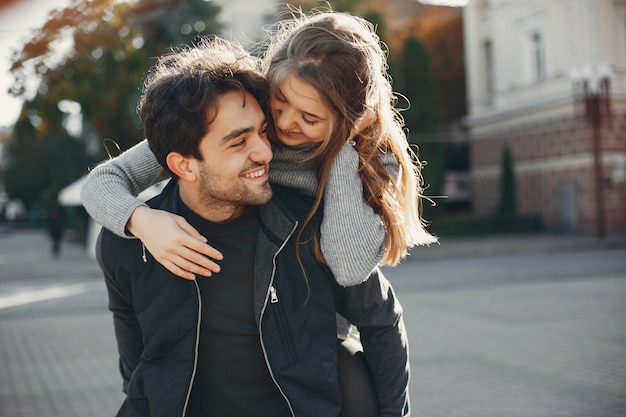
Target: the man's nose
(262, 151)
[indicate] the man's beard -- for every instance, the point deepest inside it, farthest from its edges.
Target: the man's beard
(216, 191)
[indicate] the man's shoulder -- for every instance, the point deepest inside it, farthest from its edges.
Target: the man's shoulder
(286, 209)
(166, 198)
(114, 246)
(112, 249)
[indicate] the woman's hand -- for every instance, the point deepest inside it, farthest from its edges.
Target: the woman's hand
(173, 242)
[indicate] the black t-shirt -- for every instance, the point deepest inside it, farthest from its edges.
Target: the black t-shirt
(232, 378)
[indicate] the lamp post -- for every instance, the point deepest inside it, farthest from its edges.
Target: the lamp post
(593, 87)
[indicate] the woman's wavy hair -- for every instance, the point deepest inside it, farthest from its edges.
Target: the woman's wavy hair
(341, 56)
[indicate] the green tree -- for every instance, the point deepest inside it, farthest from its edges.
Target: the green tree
(415, 81)
(113, 46)
(166, 23)
(38, 166)
(507, 206)
(94, 53)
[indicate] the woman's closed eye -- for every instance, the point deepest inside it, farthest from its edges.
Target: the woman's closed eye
(309, 122)
(304, 116)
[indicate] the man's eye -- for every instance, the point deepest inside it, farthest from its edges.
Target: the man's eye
(238, 143)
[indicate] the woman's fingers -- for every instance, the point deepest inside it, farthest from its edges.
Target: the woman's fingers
(184, 268)
(174, 243)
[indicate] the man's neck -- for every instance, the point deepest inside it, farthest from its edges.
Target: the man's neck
(215, 211)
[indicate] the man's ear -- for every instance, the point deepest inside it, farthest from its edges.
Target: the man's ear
(183, 167)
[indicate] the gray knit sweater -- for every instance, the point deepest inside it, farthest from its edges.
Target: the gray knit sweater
(351, 235)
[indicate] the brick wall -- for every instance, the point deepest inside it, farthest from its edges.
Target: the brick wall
(554, 170)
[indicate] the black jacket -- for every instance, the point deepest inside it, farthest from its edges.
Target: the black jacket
(156, 318)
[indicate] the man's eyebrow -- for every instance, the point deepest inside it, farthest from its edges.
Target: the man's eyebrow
(236, 133)
(239, 132)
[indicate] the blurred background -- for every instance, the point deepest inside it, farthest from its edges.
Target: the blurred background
(518, 107)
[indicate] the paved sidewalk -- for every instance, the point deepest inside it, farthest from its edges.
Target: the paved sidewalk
(57, 350)
(499, 345)
(59, 366)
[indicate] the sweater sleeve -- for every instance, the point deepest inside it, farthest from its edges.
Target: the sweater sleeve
(109, 193)
(352, 235)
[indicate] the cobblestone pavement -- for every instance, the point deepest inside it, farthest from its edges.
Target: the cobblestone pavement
(520, 332)
(57, 351)
(553, 349)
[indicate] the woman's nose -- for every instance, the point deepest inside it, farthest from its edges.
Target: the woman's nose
(284, 119)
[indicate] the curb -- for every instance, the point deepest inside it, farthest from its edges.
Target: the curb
(513, 245)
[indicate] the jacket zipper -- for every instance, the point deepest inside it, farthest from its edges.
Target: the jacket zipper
(286, 336)
(273, 298)
(195, 354)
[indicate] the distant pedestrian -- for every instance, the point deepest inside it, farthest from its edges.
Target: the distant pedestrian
(56, 229)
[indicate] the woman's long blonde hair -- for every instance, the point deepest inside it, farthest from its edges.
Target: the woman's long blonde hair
(341, 56)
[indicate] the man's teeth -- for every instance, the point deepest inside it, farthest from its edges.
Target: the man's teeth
(255, 174)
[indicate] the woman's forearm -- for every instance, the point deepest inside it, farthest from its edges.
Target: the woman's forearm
(109, 193)
(352, 235)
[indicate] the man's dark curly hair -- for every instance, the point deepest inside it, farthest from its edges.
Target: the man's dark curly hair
(180, 93)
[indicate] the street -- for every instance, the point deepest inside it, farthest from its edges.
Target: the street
(539, 332)
(540, 335)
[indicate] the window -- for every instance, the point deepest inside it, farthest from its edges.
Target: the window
(488, 59)
(624, 40)
(538, 56)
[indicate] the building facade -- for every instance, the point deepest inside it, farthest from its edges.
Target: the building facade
(547, 79)
(244, 20)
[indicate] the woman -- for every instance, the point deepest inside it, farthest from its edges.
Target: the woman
(336, 136)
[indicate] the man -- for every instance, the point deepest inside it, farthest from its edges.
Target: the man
(259, 338)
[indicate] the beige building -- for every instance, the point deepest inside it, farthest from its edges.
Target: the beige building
(548, 80)
(244, 19)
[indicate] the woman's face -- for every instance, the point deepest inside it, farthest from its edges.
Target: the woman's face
(300, 116)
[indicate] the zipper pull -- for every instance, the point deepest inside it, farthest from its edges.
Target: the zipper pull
(273, 296)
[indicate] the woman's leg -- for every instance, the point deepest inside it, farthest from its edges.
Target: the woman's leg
(357, 387)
